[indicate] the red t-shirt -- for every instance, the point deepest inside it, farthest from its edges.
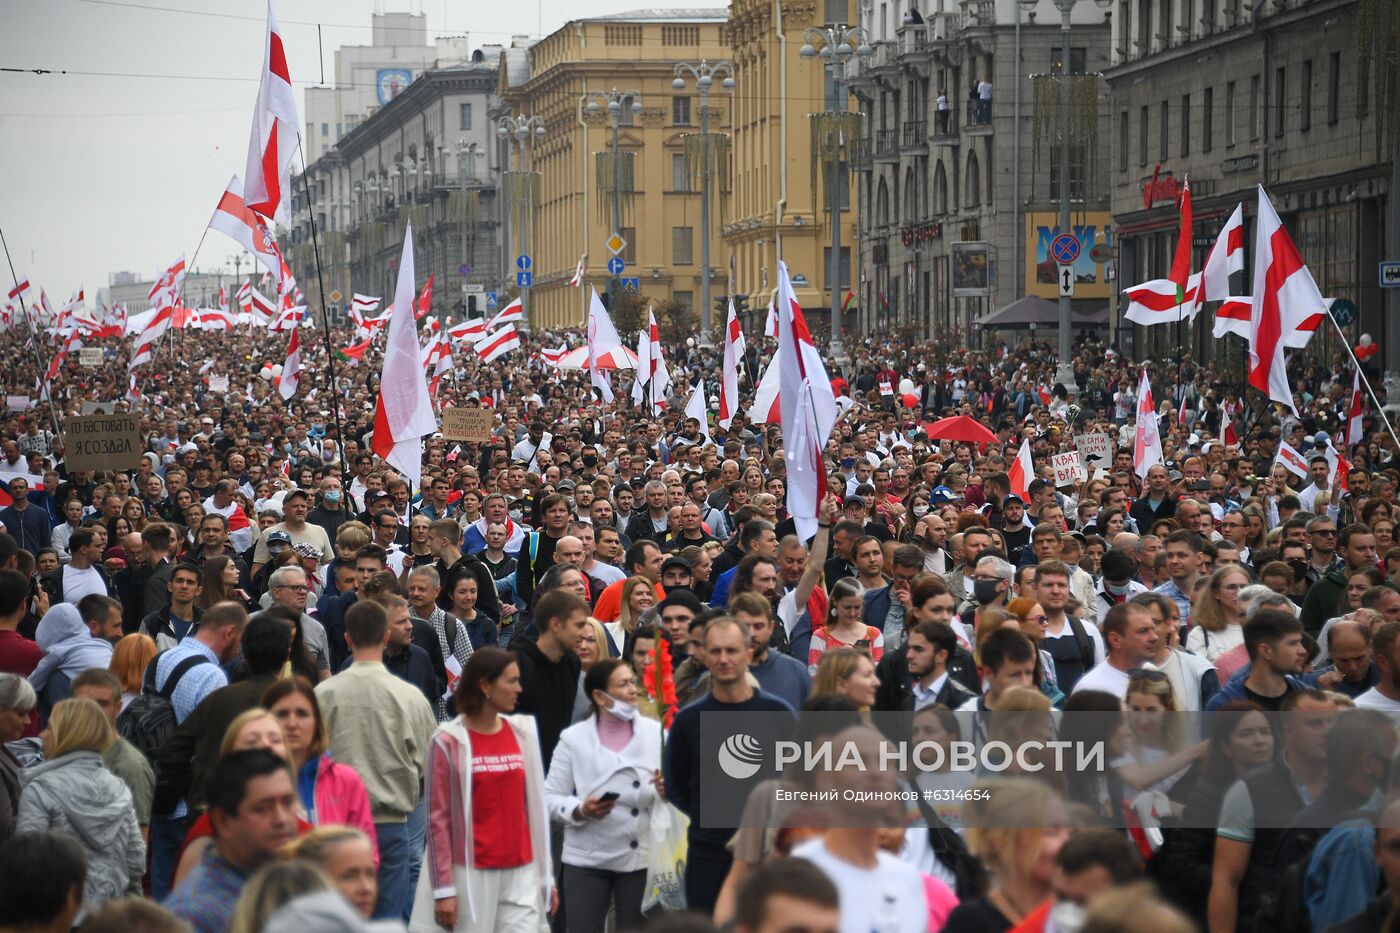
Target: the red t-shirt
(500, 828)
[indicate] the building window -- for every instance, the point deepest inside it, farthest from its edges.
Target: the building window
(464, 116)
(684, 299)
(1077, 59)
(1142, 136)
(1207, 119)
(1076, 175)
(1280, 106)
(1230, 113)
(629, 253)
(682, 246)
(1185, 125)
(680, 35)
(338, 132)
(845, 267)
(1305, 99)
(680, 111)
(1334, 87)
(1123, 141)
(325, 129)
(1165, 124)
(1256, 84)
(625, 118)
(680, 173)
(838, 11)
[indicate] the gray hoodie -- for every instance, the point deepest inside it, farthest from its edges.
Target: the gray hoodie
(76, 794)
(69, 646)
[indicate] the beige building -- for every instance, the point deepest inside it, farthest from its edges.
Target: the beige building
(775, 213)
(659, 211)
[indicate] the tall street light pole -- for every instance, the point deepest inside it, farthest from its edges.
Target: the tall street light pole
(525, 130)
(614, 100)
(835, 45)
(1064, 373)
(704, 75)
(467, 153)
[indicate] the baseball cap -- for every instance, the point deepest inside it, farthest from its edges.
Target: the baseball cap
(680, 597)
(676, 560)
(279, 537)
(291, 494)
(1010, 499)
(306, 549)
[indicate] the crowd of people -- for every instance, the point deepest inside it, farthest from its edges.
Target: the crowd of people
(259, 682)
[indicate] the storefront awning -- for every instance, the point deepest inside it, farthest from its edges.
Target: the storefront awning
(1040, 312)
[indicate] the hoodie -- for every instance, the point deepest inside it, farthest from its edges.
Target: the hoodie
(69, 647)
(547, 691)
(76, 795)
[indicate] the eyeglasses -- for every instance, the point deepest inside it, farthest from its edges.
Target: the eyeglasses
(1329, 532)
(1149, 674)
(294, 589)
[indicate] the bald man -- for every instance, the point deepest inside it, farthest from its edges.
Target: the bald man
(1351, 669)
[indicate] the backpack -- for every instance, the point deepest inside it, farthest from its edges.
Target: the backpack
(1081, 638)
(149, 718)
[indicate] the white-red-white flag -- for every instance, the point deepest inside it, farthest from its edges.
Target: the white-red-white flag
(1147, 443)
(497, 345)
(729, 377)
(653, 379)
(470, 330)
(808, 409)
(403, 412)
(1286, 304)
(1354, 412)
(240, 223)
(696, 408)
(770, 324)
(1225, 258)
(512, 313)
(275, 133)
(1021, 471)
(577, 280)
(20, 293)
(291, 370)
(602, 337)
(1292, 461)
(552, 357)
(166, 289)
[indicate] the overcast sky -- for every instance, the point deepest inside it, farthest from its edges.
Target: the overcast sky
(121, 169)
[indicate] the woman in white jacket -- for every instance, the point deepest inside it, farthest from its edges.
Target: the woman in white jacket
(487, 864)
(602, 784)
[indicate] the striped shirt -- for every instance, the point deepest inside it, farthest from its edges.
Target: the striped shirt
(206, 898)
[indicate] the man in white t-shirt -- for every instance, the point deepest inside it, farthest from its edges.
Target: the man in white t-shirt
(1132, 642)
(80, 575)
(877, 891)
(1385, 648)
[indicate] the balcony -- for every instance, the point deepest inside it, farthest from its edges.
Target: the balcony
(886, 144)
(938, 29)
(915, 135)
(860, 154)
(945, 127)
(979, 117)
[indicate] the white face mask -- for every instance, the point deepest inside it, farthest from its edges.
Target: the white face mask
(1065, 917)
(621, 708)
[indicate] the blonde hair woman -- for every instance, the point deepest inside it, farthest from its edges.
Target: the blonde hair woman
(1016, 828)
(271, 887)
(1217, 619)
(1156, 753)
(73, 793)
(346, 855)
(847, 672)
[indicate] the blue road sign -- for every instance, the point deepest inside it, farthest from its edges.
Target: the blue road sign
(523, 279)
(1065, 248)
(490, 299)
(633, 284)
(523, 262)
(616, 265)
(464, 270)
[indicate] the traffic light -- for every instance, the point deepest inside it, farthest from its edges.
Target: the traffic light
(741, 304)
(471, 306)
(722, 306)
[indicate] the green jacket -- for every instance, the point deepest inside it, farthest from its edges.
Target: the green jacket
(1326, 598)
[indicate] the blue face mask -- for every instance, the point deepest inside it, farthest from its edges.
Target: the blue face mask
(332, 496)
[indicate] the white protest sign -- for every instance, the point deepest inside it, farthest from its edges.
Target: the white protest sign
(18, 402)
(90, 357)
(218, 383)
(1095, 452)
(1068, 469)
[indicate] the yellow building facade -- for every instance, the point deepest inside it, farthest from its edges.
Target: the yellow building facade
(573, 214)
(776, 211)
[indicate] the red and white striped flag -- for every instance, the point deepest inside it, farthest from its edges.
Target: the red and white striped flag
(403, 411)
(1354, 412)
(469, 330)
(167, 285)
(497, 345)
(511, 314)
(653, 379)
(1293, 461)
(153, 328)
(577, 280)
(363, 305)
(808, 408)
(240, 223)
(275, 133)
(20, 292)
(729, 377)
(214, 319)
(1022, 471)
(291, 370)
(1177, 297)
(552, 357)
(425, 300)
(1285, 300)
(56, 364)
(1147, 442)
(133, 394)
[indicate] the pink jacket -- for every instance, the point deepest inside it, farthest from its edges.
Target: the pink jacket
(341, 800)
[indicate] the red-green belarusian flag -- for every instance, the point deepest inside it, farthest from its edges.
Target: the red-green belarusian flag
(850, 301)
(354, 353)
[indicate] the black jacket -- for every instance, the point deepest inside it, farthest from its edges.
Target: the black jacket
(639, 528)
(487, 602)
(897, 684)
(187, 761)
(548, 691)
(158, 623)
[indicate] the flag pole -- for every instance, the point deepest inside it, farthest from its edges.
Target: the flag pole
(180, 298)
(325, 317)
(33, 334)
(1364, 380)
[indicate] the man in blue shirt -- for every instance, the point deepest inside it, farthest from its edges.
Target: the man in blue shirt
(30, 526)
(778, 674)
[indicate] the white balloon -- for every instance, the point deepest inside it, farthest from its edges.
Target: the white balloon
(1365, 340)
(906, 386)
(266, 373)
(277, 369)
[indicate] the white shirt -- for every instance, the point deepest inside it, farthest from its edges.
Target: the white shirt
(1106, 678)
(888, 898)
(927, 697)
(80, 583)
(1374, 699)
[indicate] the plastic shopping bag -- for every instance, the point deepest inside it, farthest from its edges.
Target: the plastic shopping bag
(666, 851)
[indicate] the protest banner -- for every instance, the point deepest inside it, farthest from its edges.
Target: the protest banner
(102, 442)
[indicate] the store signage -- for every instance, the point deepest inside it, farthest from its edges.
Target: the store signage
(921, 233)
(1162, 186)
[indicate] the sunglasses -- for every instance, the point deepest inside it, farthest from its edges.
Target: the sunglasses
(1143, 673)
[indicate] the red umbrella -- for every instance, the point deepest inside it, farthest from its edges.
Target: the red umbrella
(960, 428)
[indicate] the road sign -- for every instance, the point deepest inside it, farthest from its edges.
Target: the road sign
(1065, 278)
(631, 285)
(335, 296)
(1343, 311)
(1390, 274)
(464, 270)
(491, 299)
(615, 243)
(474, 288)
(1102, 252)
(523, 263)
(1065, 248)
(523, 279)
(616, 265)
